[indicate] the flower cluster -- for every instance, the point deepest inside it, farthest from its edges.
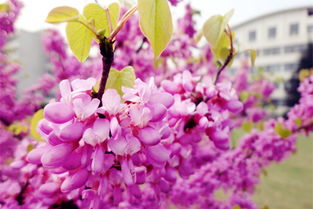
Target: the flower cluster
(25, 185)
(163, 142)
(104, 147)
(150, 136)
(237, 172)
(12, 109)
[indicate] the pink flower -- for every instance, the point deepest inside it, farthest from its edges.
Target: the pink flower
(98, 133)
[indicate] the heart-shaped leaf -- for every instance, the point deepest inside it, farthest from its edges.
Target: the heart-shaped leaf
(126, 77)
(79, 38)
(62, 14)
(156, 23)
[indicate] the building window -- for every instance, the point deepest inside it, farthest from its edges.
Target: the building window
(294, 29)
(310, 28)
(295, 48)
(252, 35)
(291, 66)
(273, 68)
(271, 51)
(271, 33)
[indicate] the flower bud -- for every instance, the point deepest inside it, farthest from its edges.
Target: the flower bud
(58, 112)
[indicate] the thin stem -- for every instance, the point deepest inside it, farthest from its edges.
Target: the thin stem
(109, 19)
(106, 50)
(229, 57)
(121, 23)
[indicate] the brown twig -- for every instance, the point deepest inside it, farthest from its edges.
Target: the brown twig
(106, 50)
(121, 23)
(229, 57)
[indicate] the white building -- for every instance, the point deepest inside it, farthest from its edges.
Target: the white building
(280, 38)
(27, 49)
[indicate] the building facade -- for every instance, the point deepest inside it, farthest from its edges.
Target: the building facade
(27, 49)
(280, 38)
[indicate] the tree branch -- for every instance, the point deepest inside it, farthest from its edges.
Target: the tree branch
(229, 57)
(106, 50)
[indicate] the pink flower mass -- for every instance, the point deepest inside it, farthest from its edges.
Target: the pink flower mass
(162, 142)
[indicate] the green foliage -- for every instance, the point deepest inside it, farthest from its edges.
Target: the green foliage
(79, 38)
(126, 77)
(156, 23)
(216, 33)
(103, 19)
(95, 23)
(33, 124)
(4, 7)
(29, 148)
(283, 132)
(253, 55)
(114, 11)
(17, 128)
(95, 14)
(62, 14)
(247, 126)
(298, 121)
(244, 95)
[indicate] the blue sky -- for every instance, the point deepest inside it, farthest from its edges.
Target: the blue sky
(35, 11)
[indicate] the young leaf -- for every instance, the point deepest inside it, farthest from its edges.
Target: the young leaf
(33, 124)
(101, 16)
(114, 10)
(156, 23)
(221, 51)
(283, 132)
(212, 30)
(62, 14)
(17, 128)
(79, 38)
(253, 55)
(214, 27)
(4, 7)
(126, 77)
(96, 13)
(247, 126)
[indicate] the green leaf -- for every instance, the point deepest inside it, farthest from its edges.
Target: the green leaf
(283, 132)
(247, 126)
(244, 95)
(126, 77)
(79, 38)
(114, 10)
(213, 30)
(4, 7)
(29, 148)
(298, 122)
(253, 55)
(17, 128)
(103, 18)
(214, 27)
(156, 23)
(221, 51)
(62, 14)
(96, 13)
(33, 125)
